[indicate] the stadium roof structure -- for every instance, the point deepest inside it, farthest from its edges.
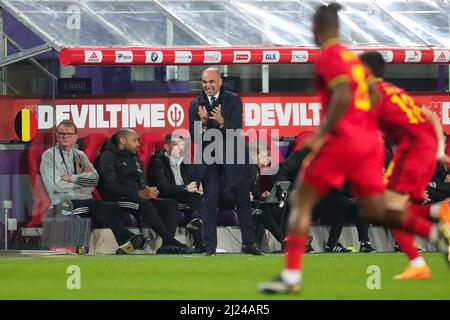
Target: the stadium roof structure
(183, 32)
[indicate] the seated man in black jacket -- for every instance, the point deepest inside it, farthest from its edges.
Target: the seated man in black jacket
(174, 179)
(122, 179)
(439, 187)
(267, 215)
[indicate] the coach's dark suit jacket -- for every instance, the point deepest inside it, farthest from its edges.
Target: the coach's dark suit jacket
(232, 113)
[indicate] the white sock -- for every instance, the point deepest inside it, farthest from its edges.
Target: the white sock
(417, 262)
(434, 234)
(291, 276)
(434, 210)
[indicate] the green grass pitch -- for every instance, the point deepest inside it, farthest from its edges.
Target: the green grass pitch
(225, 276)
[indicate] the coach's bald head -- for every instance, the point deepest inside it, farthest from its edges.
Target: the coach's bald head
(127, 139)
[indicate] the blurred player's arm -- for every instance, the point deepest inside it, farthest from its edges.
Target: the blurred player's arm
(339, 103)
(434, 119)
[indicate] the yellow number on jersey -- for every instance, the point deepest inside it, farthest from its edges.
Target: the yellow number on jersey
(407, 105)
(362, 100)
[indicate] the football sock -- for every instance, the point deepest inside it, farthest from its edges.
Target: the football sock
(417, 262)
(295, 247)
(417, 225)
(406, 242)
(291, 276)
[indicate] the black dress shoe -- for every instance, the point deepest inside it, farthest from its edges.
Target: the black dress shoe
(252, 249)
(210, 252)
(200, 249)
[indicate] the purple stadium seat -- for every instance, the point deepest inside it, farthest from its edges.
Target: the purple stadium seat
(182, 219)
(130, 220)
(227, 218)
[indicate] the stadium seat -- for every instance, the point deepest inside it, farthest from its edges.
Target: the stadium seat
(227, 218)
(91, 146)
(41, 201)
(150, 144)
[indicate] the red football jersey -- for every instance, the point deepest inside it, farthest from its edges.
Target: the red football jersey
(336, 65)
(398, 115)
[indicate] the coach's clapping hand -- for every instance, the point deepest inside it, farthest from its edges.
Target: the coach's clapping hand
(203, 114)
(192, 187)
(217, 114)
(200, 190)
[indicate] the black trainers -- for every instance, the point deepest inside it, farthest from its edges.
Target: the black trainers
(175, 243)
(278, 286)
(171, 249)
(338, 248)
(121, 251)
(136, 242)
(252, 249)
(126, 248)
(195, 224)
(443, 242)
(139, 242)
(397, 248)
(210, 252)
(366, 247)
(309, 248)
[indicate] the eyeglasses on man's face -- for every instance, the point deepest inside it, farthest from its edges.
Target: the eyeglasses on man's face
(66, 134)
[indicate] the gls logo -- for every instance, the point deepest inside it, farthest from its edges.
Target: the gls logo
(153, 56)
(271, 56)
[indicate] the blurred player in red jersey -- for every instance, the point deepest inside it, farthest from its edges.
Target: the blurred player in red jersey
(419, 138)
(346, 146)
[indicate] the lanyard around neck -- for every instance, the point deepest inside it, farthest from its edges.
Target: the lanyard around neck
(65, 164)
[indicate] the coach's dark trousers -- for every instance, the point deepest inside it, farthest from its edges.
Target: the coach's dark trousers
(241, 192)
(104, 214)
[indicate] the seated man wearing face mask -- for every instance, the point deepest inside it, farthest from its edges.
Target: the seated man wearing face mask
(174, 179)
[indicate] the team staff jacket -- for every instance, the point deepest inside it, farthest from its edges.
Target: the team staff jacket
(56, 163)
(122, 173)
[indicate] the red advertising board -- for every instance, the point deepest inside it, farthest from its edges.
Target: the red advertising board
(290, 114)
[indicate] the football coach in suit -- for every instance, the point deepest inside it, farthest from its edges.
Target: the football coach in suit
(221, 111)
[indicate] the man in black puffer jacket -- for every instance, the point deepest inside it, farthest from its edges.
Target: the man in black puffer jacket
(122, 179)
(175, 180)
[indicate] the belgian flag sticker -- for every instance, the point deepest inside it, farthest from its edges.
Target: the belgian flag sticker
(25, 125)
